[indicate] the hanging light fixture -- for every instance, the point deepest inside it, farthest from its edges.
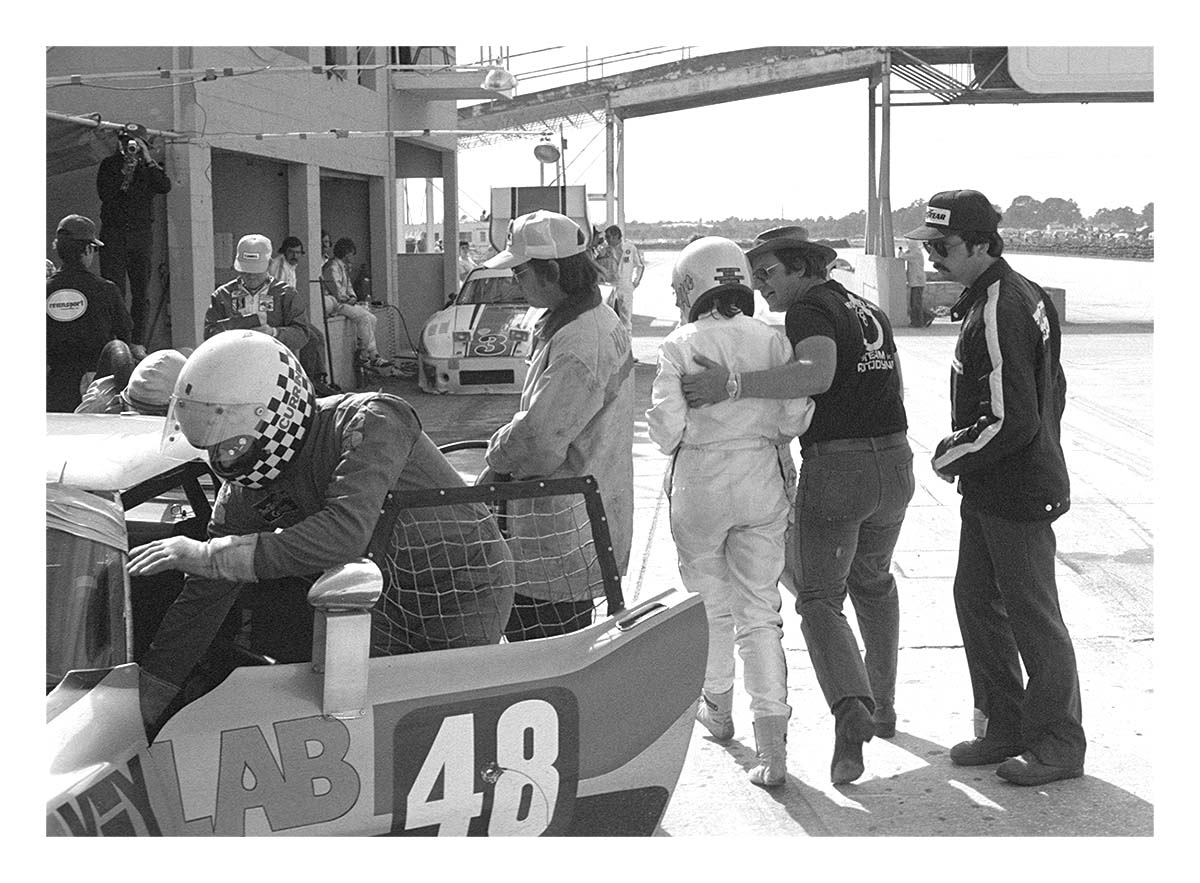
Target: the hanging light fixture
(497, 79)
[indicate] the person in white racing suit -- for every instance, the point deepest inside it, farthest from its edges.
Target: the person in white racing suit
(729, 486)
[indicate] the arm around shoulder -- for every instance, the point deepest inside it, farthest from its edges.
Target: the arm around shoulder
(809, 374)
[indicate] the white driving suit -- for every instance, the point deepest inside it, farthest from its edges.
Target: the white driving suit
(729, 489)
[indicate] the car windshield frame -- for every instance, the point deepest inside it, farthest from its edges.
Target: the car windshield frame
(493, 288)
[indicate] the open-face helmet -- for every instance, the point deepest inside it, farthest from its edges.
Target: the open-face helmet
(704, 269)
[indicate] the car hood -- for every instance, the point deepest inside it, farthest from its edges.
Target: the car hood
(490, 327)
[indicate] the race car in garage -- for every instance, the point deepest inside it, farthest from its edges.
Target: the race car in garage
(483, 339)
(583, 733)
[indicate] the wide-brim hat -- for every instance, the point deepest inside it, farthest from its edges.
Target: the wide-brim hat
(770, 241)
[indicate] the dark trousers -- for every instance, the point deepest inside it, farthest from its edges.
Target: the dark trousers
(918, 315)
(127, 253)
(1007, 603)
(312, 354)
(850, 507)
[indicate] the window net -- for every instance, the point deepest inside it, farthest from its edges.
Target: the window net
(472, 565)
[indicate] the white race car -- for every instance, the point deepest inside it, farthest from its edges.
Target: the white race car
(482, 341)
(579, 734)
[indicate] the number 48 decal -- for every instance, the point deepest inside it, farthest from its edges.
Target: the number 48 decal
(493, 767)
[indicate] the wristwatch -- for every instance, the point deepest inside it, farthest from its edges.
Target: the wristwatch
(731, 385)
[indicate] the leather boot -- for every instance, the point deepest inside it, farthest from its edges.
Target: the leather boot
(715, 711)
(770, 740)
(852, 727)
(885, 720)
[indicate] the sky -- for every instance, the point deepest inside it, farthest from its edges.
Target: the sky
(805, 153)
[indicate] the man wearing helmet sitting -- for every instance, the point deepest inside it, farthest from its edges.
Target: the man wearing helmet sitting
(729, 483)
(307, 485)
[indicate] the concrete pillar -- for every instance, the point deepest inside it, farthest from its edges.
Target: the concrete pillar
(189, 240)
(304, 221)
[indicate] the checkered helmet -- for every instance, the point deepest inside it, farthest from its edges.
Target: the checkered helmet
(243, 397)
(706, 267)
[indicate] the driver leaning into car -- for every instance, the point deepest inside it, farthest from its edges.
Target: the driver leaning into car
(306, 482)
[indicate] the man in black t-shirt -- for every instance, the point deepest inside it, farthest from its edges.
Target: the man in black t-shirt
(856, 477)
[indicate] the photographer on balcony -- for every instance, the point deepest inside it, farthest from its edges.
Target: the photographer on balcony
(127, 183)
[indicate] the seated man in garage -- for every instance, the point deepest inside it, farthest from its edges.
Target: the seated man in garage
(257, 301)
(307, 485)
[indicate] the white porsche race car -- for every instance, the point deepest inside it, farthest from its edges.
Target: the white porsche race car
(482, 341)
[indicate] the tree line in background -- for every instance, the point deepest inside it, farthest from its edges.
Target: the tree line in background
(1025, 213)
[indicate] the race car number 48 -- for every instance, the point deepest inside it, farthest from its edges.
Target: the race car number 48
(493, 767)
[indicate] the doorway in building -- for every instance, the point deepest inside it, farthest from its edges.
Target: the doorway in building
(250, 195)
(345, 213)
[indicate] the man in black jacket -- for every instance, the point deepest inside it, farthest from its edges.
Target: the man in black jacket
(127, 182)
(1007, 392)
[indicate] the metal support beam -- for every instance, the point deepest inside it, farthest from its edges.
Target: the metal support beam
(885, 161)
(620, 133)
(610, 167)
(872, 225)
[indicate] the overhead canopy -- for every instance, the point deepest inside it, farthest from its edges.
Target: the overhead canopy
(78, 142)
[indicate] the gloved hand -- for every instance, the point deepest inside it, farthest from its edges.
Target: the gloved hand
(172, 553)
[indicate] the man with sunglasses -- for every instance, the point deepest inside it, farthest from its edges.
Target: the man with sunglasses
(856, 478)
(312, 355)
(1007, 392)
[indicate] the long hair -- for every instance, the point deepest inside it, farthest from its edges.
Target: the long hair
(577, 275)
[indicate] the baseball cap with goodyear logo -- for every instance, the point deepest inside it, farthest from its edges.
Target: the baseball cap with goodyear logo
(540, 235)
(956, 210)
(253, 254)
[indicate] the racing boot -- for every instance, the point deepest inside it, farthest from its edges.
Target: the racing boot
(770, 740)
(715, 711)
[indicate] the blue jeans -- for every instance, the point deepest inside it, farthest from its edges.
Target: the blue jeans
(850, 507)
(1007, 603)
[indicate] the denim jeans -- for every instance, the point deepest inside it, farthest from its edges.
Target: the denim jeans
(1008, 611)
(850, 507)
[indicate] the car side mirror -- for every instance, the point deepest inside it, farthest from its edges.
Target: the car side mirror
(342, 599)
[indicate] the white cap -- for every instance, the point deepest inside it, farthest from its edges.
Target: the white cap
(542, 235)
(253, 254)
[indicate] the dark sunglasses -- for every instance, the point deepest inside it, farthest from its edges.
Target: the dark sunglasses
(940, 247)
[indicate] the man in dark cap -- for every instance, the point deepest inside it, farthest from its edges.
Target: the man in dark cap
(1007, 393)
(127, 182)
(856, 477)
(83, 313)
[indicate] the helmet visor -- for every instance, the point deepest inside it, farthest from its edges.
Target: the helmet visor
(226, 430)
